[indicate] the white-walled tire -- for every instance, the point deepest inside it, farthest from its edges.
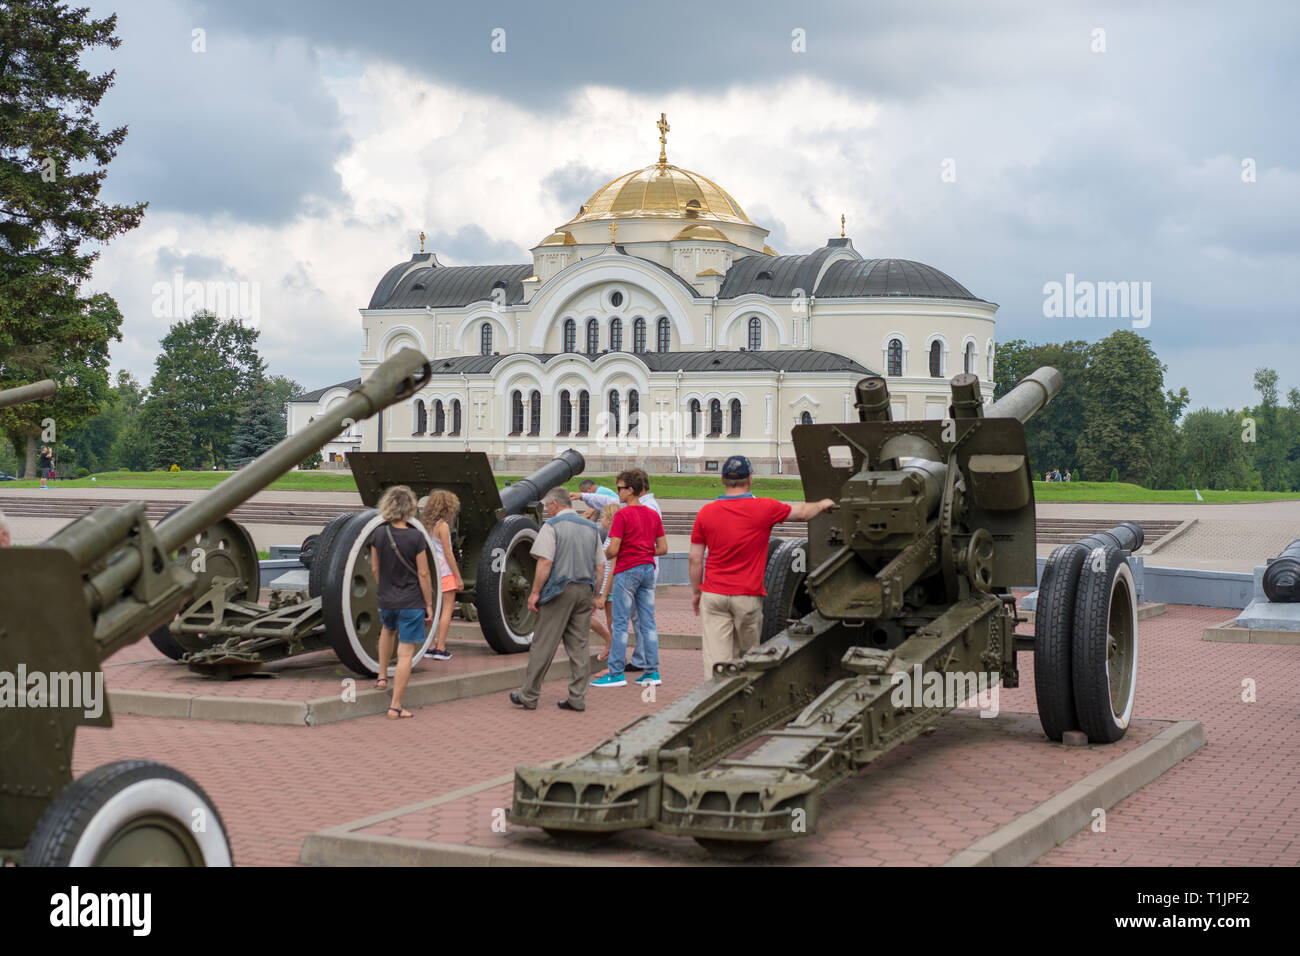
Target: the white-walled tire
(130, 813)
(1104, 653)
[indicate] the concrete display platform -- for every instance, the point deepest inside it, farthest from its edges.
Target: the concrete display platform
(310, 690)
(1230, 632)
(934, 800)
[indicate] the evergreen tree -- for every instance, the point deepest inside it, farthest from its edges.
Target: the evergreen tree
(1052, 435)
(53, 162)
(260, 427)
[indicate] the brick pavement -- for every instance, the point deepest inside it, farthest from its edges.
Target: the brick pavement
(1236, 801)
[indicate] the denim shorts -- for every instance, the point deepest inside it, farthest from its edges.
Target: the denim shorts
(408, 623)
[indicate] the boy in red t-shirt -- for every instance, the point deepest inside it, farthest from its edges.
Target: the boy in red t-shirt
(735, 530)
(635, 538)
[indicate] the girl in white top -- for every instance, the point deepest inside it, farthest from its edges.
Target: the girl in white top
(440, 511)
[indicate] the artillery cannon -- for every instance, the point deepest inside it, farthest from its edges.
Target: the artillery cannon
(911, 573)
(23, 394)
(1282, 576)
(223, 632)
(95, 587)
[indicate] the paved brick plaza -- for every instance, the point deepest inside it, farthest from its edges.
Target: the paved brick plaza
(1236, 801)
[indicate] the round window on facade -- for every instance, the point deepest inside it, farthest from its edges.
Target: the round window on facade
(616, 299)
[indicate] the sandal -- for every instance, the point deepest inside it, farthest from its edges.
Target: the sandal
(401, 712)
(381, 684)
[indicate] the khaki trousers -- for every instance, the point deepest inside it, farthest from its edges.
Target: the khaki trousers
(731, 624)
(567, 618)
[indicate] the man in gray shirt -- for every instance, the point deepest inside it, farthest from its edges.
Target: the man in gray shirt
(570, 562)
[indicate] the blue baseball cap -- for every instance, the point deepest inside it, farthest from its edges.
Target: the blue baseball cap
(737, 466)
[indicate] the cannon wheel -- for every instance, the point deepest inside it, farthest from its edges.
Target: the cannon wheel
(349, 596)
(228, 552)
(130, 813)
(307, 551)
(316, 571)
(787, 599)
(1105, 647)
(1053, 638)
(501, 594)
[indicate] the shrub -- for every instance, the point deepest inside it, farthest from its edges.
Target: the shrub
(83, 472)
(1114, 474)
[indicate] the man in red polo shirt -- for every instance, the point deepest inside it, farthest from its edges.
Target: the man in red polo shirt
(735, 530)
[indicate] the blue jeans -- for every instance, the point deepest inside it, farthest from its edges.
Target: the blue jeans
(634, 586)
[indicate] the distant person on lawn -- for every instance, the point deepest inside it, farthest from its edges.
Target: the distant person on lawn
(635, 538)
(399, 558)
(46, 464)
(735, 530)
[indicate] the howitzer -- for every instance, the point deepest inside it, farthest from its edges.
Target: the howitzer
(23, 394)
(94, 587)
(909, 575)
(223, 632)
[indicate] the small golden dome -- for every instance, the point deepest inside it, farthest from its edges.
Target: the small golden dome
(661, 192)
(561, 238)
(701, 231)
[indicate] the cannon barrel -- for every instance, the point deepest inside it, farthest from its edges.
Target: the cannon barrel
(1029, 397)
(1282, 576)
(400, 376)
(23, 394)
(1127, 536)
(557, 471)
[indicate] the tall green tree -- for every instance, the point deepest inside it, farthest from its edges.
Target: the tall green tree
(1215, 455)
(205, 373)
(1272, 438)
(1126, 423)
(1052, 435)
(53, 162)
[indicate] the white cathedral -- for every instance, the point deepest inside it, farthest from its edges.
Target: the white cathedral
(657, 328)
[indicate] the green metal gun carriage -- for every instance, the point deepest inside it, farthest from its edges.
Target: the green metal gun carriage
(934, 525)
(93, 588)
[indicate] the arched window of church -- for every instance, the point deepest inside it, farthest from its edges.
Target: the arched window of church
(805, 418)
(584, 413)
(663, 335)
(695, 418)
(633, 411)
(455, 416)
(439, 417)
(735, 418)
(593, 337)
(485, 339)
(895, 356)
(936, 359)
(516, 412)
(616, 334)
(535, 413)
(570, 335)
(421, 418)
(969, 365)
(638, 334)
(566, 413)
(755, 333)
(613, 411)
(990, 358)
(715, 418)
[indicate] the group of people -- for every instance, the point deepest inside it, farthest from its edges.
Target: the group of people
(1055, 475)
(597, 564)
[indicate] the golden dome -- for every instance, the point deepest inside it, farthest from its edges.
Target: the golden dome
(560, 238)
(700, 231)
(661, 191)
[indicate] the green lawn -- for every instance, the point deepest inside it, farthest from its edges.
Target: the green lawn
(664, 486)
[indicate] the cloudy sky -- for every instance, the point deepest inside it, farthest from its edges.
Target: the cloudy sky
(300, 146)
